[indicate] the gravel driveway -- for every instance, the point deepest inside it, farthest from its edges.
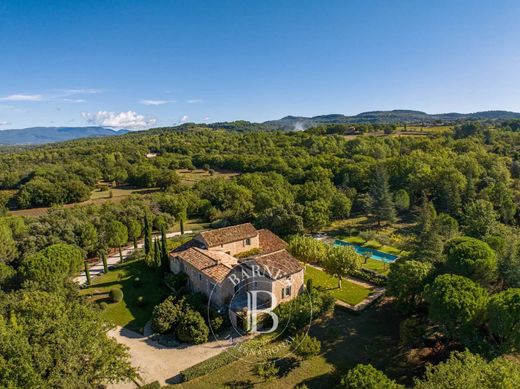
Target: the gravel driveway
(158, 362)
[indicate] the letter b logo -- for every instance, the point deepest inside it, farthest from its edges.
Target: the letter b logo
(254, 310)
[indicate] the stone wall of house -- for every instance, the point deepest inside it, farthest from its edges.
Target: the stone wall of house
(200, 283)
(237, 247)
(296, 283)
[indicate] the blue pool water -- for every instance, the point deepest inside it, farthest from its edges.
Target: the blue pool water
(374, 254)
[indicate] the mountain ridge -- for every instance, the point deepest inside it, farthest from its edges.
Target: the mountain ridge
(392, 116)
(42, 135)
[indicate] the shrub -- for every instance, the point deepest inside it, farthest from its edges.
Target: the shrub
(192, 328)
(166, 315)
(267, 370)
(116, 295)
(137, 282)
(295, 314)
(217, 323)
(306, 346)
(103, 305)
(140, 301)
(370, 276)
(367, 377)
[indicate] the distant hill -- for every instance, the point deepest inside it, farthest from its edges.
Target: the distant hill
(395, 116)
(41, 135)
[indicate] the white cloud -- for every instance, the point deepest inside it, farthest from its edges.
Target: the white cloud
(83, 91)
(4, 123)
(74, 100)
(194, 101)
(184, 118)
(128, 119)
(22, 97)
(155, 102)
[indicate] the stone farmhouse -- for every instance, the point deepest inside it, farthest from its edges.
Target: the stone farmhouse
(227, 263)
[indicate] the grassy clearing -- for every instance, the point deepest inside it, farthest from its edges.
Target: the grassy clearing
(127, 313)
(191, 177)
(347, 339)
(349, 293)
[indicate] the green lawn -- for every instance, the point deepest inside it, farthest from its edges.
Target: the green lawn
(127, 313)
(350, 293)
(346, 340)
(355, 239)
(377, 266)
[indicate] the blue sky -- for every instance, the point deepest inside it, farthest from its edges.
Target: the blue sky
(147, 63)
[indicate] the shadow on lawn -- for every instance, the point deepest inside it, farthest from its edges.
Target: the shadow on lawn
(370, 337)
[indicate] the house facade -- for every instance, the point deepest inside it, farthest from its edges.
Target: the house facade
(231, 263)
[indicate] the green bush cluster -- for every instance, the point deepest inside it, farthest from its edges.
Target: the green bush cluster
(370, 276)
(306, 346)
(176, 315)
(298, 313)
(116, 295)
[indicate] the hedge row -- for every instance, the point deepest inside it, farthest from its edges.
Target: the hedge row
(370, 276)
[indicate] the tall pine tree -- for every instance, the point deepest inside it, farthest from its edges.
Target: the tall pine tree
(382, 207)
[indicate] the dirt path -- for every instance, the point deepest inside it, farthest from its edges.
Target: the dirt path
(161, 363)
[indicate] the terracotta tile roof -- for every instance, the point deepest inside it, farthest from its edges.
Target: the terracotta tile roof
(228, 234)
(213, 264)
(277, 264)
(270, 242)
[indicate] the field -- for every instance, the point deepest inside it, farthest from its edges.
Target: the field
(347, 339)
(191, 177)
(350, 293)
(127, 313)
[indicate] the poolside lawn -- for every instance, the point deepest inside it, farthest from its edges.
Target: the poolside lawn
(355, 239)
(349, 293)
(375, 265)
(127, 313)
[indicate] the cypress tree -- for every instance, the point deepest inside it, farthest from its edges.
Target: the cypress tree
(147, 236)
(157, 253)
(103, 255)
(165, 263)
(87, 272)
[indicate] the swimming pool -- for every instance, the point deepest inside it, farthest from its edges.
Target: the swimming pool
(374, 254)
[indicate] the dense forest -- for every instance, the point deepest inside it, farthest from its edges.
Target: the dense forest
(458, 192)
